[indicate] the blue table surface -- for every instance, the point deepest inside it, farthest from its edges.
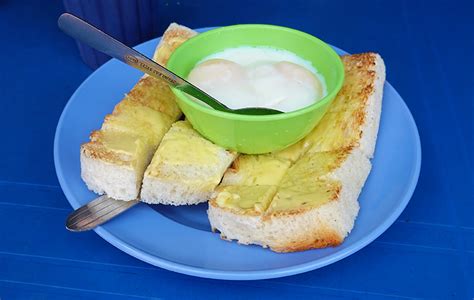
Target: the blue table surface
(428, 47)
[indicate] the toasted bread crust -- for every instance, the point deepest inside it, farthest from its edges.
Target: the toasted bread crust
(311, 232)
(173, 37)
(253, 213)
(148, 89)
(322, 242)
(319, 238)
(360, 68)
(96, 150)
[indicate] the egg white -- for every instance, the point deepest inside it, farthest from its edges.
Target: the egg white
(259, 77)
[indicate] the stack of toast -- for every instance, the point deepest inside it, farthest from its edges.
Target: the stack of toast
(115, 159)
(296, 199)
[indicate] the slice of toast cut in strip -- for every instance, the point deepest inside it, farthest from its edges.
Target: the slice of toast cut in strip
(173, 37)
(115, 159)
(185, 169)
(354, 116)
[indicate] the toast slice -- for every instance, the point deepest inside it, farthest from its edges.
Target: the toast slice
(185, 169)
(111, 163)
(315, 203)
(115, 159)
(173, 37)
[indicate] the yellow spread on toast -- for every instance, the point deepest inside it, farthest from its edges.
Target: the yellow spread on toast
(246, 199)
(256, 170)
(118, 141)
(183, 146)
(151, 125)
(250, 184)
(315, 165)
(119, 148)
(155, 94)
(292, 153)
(185, 157)
(305, 184)
(335, 131)
(302, 194)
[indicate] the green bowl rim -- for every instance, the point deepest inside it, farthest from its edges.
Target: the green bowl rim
(228, 115)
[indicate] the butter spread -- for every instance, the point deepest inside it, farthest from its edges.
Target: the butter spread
(139, 120)
(256, 170)
(306, 193)
(247, 199)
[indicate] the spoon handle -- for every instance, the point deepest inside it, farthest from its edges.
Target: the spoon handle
(96, 213)
(101, 41)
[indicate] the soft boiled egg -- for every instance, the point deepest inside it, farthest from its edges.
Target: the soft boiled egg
(224, 80)
(259, 77)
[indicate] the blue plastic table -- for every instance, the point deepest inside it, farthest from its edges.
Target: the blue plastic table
(428, 48)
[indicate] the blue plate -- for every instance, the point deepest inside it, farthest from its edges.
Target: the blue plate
(162, 235)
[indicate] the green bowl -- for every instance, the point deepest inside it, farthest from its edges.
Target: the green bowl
(249, 133)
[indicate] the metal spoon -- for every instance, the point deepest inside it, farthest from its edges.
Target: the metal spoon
(99, 40)
(97, 212)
